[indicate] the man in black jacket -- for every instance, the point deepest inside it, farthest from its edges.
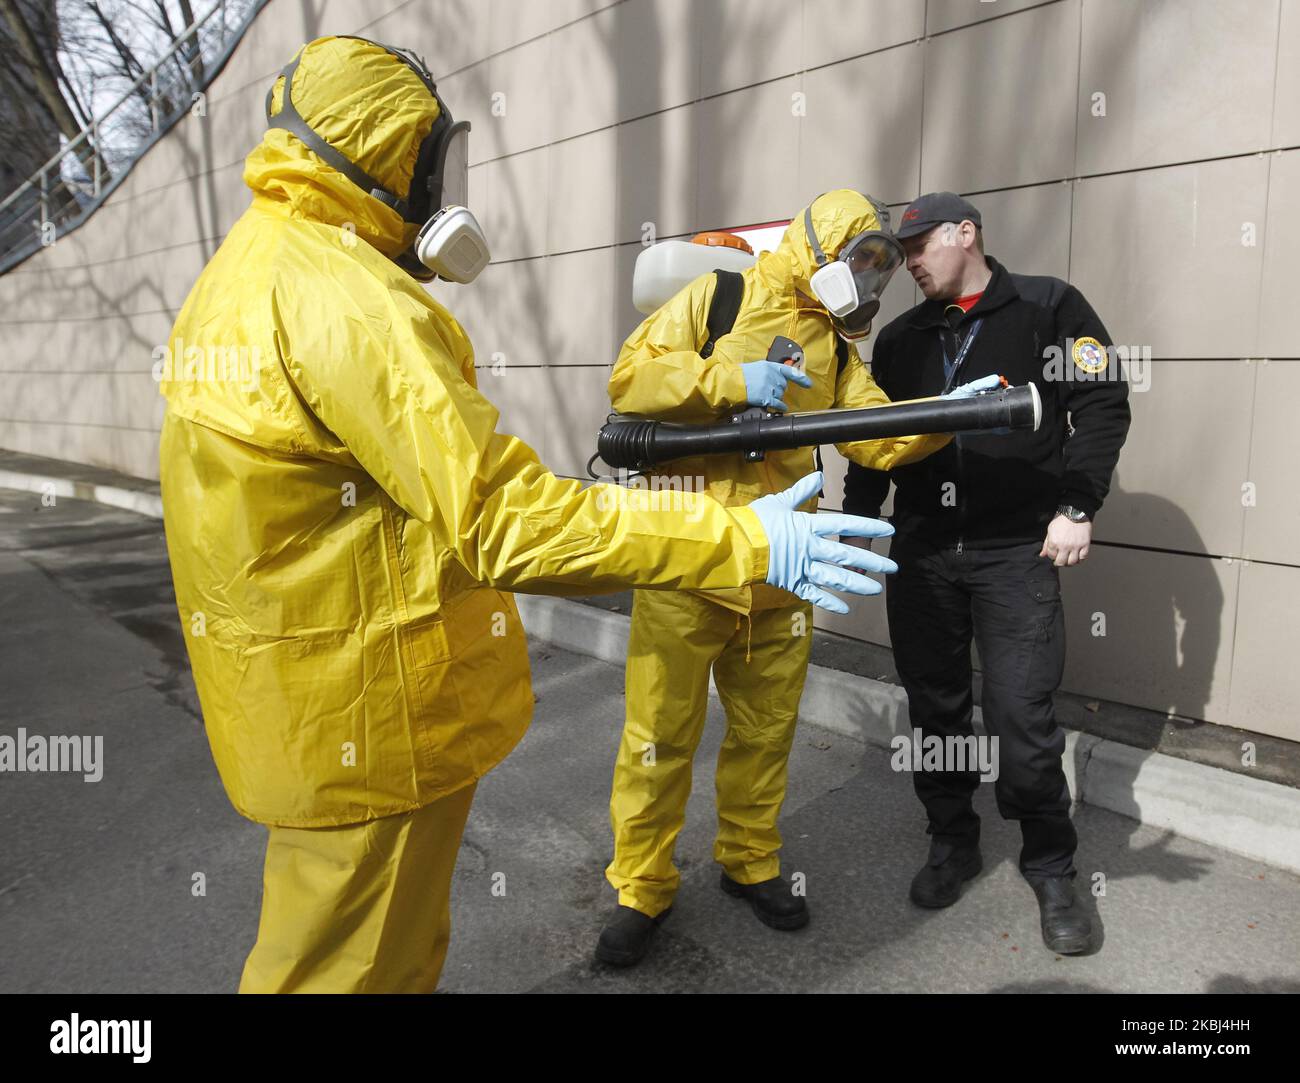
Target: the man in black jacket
(982, 527)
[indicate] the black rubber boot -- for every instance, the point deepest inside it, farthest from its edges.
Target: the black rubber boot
(939, 882)
(773, 902)
(1067, 930)
(626, 939)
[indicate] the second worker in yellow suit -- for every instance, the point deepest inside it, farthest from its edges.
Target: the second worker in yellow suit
(754, 640)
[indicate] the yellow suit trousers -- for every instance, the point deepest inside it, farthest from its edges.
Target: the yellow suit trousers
(362, 908)
(676, 639)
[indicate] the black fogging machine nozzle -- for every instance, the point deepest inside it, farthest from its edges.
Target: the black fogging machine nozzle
(637, 443)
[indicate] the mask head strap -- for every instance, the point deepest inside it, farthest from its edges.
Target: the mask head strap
(292, 121)
(818, 254)
(882, 214)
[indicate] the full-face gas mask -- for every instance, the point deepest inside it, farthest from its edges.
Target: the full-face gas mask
(450, 243)
(851, 285)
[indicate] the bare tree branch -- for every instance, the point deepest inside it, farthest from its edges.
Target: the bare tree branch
(41, 67)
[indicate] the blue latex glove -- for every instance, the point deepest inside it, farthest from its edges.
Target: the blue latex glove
(765, 383)
(802, 557)
(963, 391)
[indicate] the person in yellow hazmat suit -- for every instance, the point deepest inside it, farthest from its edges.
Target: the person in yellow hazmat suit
(820, 286)
(342, 517)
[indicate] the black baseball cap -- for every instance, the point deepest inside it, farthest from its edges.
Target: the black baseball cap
(934, 208)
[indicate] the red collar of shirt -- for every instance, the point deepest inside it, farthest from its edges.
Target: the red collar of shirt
(968, 302)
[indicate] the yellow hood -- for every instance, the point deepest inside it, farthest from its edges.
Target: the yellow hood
(375, 111)
(838, 217)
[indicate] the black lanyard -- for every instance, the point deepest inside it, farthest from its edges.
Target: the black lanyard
(950, 383)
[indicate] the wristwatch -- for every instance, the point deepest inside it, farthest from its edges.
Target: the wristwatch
(1074, 514)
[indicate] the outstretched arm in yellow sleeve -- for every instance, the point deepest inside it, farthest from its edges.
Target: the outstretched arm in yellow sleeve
(391, 388)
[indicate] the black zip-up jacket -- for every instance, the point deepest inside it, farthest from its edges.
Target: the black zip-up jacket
(984, 490)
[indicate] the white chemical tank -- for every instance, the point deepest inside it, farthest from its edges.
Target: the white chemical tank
(664, 268)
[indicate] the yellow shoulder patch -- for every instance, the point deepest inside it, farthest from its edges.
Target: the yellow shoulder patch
(1090, 355)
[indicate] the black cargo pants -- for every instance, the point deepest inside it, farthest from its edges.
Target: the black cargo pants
(1010, 600)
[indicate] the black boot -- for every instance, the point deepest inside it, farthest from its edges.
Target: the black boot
(1067, 930)
(626, 939)
(938, 884)
(773, 902)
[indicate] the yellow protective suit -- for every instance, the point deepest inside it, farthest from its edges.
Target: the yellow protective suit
(755, 640)
(342, 514)
(362, 908)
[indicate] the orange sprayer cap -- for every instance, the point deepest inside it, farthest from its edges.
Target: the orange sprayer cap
(721, 239)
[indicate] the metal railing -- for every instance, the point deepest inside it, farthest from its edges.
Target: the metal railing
(60, 195)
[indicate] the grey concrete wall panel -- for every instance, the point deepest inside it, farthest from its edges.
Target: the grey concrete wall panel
(659, 175)
(743, 42)
(1272, 514)
(1027, 230)
(584, 80)
(1181, 80)
(581, 203)
(1160, 255)
(512, 22)
(1168, 624)
(1286, 96)
(1022, 70)
(582, 405)
(520, 111)
(1178, 484)
(836, 31)
(862, 126)
(945, 15)
(1279, 330)
(1265, 678)
(747, 155)
(517, 209)
(581, 331)
(659, 50)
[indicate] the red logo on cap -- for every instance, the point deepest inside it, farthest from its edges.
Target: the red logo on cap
(910, 215)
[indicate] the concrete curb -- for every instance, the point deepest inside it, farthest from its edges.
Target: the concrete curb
(136, 500)
(1247, 816)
